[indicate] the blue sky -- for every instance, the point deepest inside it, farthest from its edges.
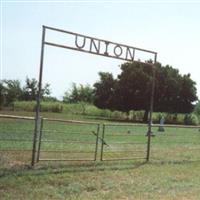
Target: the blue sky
(170, 28)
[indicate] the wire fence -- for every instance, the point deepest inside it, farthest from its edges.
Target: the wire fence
(175, 143)
(16, 139)
(68, 140)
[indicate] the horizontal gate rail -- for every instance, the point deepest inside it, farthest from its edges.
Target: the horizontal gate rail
(66, 151)
(122, 135)
(118, 159)
(121, 143)
(67, 142)
(60, 160)
(49, 131)
(70, 121)
(124, 124)
(118, 151)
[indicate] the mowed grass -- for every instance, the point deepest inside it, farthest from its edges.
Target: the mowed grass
(172, 173)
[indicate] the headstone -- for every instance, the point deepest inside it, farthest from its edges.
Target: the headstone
(161, 126)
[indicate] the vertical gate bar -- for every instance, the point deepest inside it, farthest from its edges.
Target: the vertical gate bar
(37, 113)
(151, 109)
(40, 138)
(97, 139)
(102, 142)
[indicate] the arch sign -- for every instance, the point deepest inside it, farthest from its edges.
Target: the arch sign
(92, 45)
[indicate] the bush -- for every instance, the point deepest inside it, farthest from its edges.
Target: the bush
(51, 107)
(117, 115)
(157, 117)
(191, 119)
(170, 118)
(24, 106)
(136, 116)
(30, 106)
(94, 111)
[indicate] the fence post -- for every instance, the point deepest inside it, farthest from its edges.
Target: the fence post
(40, 138)
(151, 109)
(102, 143)
(37, 113)
(97, 139)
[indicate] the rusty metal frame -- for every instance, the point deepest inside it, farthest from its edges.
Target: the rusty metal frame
(40, 138)
(116, 55)
(96, 45)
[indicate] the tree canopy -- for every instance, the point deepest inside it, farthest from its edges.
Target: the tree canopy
(79, 93)
(31, 87)
(131, 90)
(11, 90)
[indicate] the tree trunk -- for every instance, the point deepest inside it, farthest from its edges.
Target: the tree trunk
(145, 117)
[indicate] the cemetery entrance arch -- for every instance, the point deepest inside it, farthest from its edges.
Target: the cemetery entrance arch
(96, 46)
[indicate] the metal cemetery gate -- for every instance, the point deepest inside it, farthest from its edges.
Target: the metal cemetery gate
(123, 142)
(65, 140)
(92, 45)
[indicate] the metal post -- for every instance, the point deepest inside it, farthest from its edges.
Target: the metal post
(102, 142)
(97, 138)
(37, 113)
(40, 138)
(151, 109)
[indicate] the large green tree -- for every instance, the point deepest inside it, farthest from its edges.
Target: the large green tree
(79, 93)
(104, 91)
(174, 92)
(132, 89)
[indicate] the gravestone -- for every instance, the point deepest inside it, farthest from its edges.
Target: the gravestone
(161, 126)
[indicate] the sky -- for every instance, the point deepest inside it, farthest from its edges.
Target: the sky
(171, 28)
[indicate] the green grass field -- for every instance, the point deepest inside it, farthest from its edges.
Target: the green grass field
(172, 173)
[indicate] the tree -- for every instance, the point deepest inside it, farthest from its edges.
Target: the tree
(31, 88)
(10, 91)
(175, 93)
(132, 90)
(134, 87)
(104, 91)
(79, 93)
